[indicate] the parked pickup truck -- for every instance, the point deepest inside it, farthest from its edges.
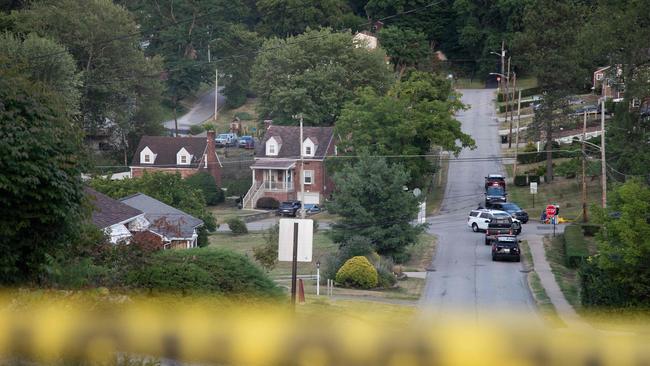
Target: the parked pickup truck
(501, 224)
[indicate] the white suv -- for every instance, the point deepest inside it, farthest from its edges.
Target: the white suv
(479, 219)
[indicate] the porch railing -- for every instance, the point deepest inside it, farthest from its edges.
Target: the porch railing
(277, 186)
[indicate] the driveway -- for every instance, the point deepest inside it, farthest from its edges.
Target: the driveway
(200, 112)
(463, 277)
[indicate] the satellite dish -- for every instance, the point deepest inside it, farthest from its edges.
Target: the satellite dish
(417, 192)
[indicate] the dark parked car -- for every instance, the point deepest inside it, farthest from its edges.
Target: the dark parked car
(511, 208)
(495, 194)
(247, 142)
(290, 208)
(588, 108)
(506, 247)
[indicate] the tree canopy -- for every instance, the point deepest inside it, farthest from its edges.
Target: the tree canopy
(314, 73)
(372, 203)
(413, 117)
(40, 184)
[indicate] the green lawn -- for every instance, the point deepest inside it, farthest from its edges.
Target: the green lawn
(565, 192)
(226, 115)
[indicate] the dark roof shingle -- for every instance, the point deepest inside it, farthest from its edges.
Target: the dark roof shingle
(164, 219)
(107, 211)
(290, 137)
(166, 148)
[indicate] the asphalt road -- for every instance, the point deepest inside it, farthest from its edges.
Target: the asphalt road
(463, 277)
(201, 111)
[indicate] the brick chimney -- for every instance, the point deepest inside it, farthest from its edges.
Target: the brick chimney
(213, 166)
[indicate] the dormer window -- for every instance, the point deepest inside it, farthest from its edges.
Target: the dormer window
(273, 146)
(183, 157)
(147, 156)
(308, 147)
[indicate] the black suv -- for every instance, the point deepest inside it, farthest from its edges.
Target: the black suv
(289, 208)
(506, 247)
(495, 194)
(511, 208)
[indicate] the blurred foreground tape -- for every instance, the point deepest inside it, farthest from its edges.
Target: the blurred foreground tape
(191, 330)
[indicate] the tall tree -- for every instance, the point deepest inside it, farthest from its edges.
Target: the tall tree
(405, 47)
(548, 47)
(416, 115)
(372, 203)
(181, 32)
(40, 184)
(314, 73)
(118, 81)
(284, 18)
(56, 74)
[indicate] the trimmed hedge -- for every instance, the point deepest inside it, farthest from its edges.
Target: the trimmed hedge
(203, 270)
(521, 181)
(237, 226)
(575, 246)
(357, 272)
(268, 203)
(502, 109)
(533, 178)
(525, 93)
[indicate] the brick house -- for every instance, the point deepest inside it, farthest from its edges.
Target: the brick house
(607, 80)
(277, 171)
(185, 155)
(117, 220)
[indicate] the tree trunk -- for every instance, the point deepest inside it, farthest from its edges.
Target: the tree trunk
(549, 151)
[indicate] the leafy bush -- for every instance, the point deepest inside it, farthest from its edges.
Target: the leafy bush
(203, 270)
(196, 129)
(540, 171)
(76, 273)
(237, 226)
(530, 154)
(237, 187)
(598, 287)
(521, 180)
(568, 168)
(244, 116)
(205, 182)
(575, 247)
(513, 104)
(267, 254)
(385, 278)
(352, 247)
(357, 272)
(268, 203)
(533, 178)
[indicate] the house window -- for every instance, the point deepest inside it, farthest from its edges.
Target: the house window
(308, 176)
(599, 77)
(147, 158)
(272, 149)
(183, 159)
(308, 150)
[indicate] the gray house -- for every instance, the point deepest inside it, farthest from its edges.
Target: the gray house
(175, 228)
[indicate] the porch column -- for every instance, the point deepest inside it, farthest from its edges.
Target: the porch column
(270, 187)
(253, 182)
(286, 188)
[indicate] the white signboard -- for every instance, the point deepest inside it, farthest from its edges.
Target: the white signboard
(533, 187)
(305, 239)
(422, 214)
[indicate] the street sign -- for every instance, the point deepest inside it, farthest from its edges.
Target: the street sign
(305, 240)
(550, 211)
(533, 187)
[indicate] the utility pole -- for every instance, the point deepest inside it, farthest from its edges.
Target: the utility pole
(514, 85)
(302, 172)
(216, 93)
(503, 60)
(514, 169)
(507, 77)
(584, 170)
(602, 153)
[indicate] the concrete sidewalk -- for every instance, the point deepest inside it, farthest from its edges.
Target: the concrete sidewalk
(564, 310)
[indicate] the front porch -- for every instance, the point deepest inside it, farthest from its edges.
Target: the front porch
(272, 178)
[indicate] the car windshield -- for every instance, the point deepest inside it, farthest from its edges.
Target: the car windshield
(246, 138)
(494, 191)
(500, 214)
(510, 207)
(287, 203)
(222, 136)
